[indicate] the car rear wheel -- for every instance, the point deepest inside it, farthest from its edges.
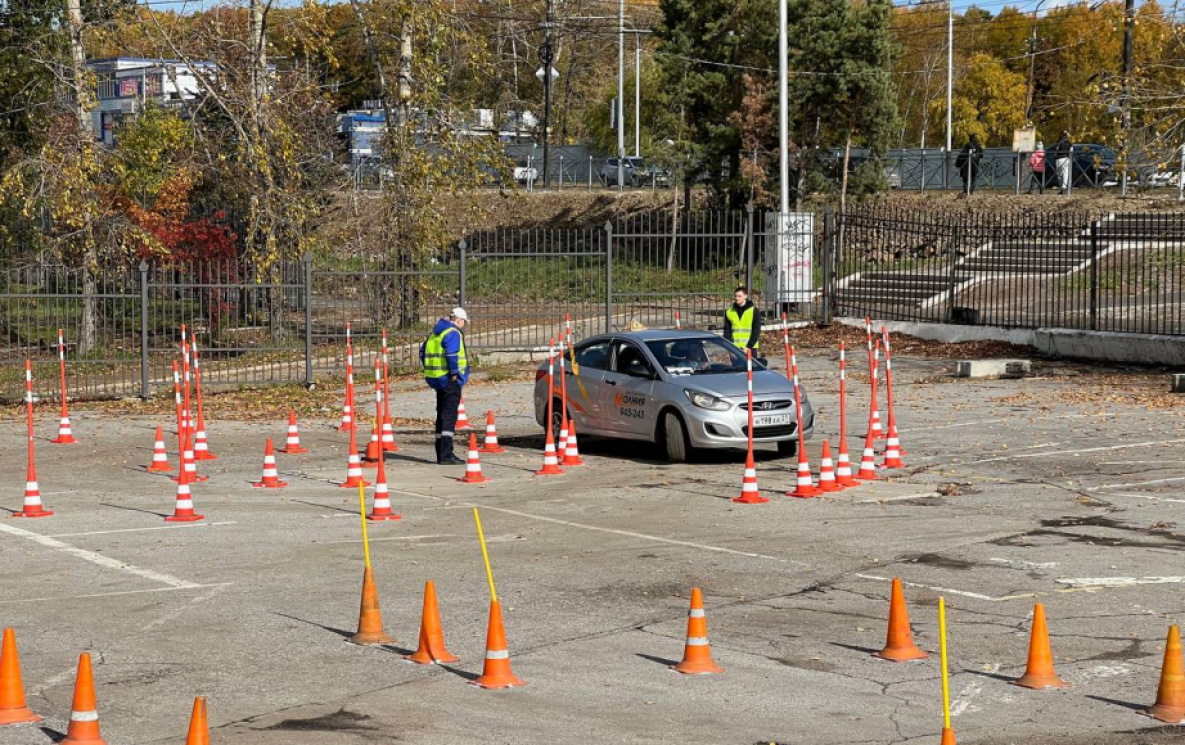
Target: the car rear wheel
(787, 448)
(674, 437)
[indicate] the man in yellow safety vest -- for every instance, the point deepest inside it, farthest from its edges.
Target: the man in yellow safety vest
(742, 322)
(446, 370)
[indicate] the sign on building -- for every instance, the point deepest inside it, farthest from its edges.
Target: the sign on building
(129, 87)
(789, 257)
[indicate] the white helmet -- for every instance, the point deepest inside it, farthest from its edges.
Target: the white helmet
(460, 314)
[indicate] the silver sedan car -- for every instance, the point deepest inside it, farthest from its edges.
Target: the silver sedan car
(681, 389)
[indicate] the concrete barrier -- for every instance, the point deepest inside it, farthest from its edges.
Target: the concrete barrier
(993, 368)
(1178, 383)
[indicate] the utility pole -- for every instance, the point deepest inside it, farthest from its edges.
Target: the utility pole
(1029, 90)
(86, 141)
(783, 116)
(1129, 22)
(621, 94)
(546, 56)
(950, 69)
(638, 95)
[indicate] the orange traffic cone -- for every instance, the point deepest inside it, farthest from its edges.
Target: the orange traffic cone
(374, 448)
(382, 497)
(1170, 694)
(293, 446)
(1039, 673)
(188, 467)
(843, 466)
(491, 444)
(893, 449)
(33, 505)
(571, 451)
(899, 646)
(867, 461)
(750, 494)
(432, 647)
(804, 487)
(370, 616)
(387, 439)
(948, 736)
(354, 464)
(12, 690)
(551, 464)
(201, 446)
(199, 727)
(462, 417)
(84, 714)
(827, 482)
(697, 654)
(160, 456)
(65, 433)
(183, 512)
(496, 672)
(473, 465)
(271, 479)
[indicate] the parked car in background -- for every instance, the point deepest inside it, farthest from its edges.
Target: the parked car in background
(1094, 165)
(524, 173)
(630, 173)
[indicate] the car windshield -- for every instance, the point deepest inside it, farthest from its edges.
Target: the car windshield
(699, 356)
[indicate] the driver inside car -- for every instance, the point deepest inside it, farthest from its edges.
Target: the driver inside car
(689, 354)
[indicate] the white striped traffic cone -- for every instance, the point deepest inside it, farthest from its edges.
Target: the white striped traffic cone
(382, 497)
(33, 505)
(867, 461)
(65, 435)
(462, 417)
(893, 449)
(804, 487)
(551, 464)
(827, 482)
(184, 512)
(571, 452)
(843, 466)
(354, 465)
(271, 479)
(750, 494)
(160, 456)
(473, 465)
(491, 444)
(293, 446)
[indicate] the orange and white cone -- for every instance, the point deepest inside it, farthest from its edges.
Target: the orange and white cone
(462, 417)
(432, 649)
(348, 407)
(374, 448)
(13, 709)
(160, 456)
(496, 672)
(571, 451)
(65, 434)
(188, 464)
(697, 653)
(184, 512)
(551, 464)
(750, 494)
(201, 448)
(387, 440)
(827, 482)
(843, 466)
(382, 497)
(868, 461)
(33, 505)
(473, 465)
(354, 465)
(875, 425)
(893, 449)
(271, 479)
(491, 443)
(84, 714)
(199, 726)
(804, 487)
(293, 446)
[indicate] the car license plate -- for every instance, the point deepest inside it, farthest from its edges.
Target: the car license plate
(770, 420)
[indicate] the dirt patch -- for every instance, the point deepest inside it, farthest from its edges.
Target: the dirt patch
(1147, 391)
(903, 345)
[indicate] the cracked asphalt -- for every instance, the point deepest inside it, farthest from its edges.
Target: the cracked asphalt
(1014, 492)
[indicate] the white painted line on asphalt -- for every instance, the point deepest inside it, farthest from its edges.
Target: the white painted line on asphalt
(964, 593)
(339, 514)
(1024, 564)
(63, 598)
(599, 529)
(141, 530)
(1138, 483)
(901, 498)
(1149, 497)
(398, 538)
(99, 559)
(1078, 451)
(172, 616)
(962, 702)
(1119, 581)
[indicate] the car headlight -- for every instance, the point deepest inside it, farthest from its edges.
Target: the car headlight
(704, 401)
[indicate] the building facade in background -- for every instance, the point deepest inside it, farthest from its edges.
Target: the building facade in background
(127, 84)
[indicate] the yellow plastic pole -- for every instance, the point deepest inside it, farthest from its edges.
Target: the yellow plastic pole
(485, 555)
(365, 537)
(945, 674)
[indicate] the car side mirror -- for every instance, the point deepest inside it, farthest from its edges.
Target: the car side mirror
(637, 370)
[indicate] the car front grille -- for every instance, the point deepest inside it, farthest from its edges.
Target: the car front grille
(765, 406)
(779, 431)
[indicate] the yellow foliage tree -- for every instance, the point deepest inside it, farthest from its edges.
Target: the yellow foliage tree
(989, 101)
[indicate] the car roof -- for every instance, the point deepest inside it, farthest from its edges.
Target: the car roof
(652, 335)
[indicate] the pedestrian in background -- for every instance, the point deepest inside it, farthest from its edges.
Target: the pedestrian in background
(1062, 154)
(968, 164)
(446, 370)
(1037, 166)
(742, 321)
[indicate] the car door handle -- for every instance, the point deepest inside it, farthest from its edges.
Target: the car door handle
(610, 382)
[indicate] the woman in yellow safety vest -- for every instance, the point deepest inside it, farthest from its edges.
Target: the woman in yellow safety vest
(446, 370)
(742, 321)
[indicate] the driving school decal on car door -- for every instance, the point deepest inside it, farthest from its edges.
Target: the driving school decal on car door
(630, 405)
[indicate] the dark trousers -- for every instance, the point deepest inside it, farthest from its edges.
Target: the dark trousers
(447, 401)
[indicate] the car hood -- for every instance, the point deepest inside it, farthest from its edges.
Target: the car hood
(732, 385)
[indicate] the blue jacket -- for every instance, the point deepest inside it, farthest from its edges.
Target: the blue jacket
(452, 349)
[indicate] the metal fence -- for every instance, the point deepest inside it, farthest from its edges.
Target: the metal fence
(1112, 272)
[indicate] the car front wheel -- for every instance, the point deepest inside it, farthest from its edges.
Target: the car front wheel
(674, 437)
